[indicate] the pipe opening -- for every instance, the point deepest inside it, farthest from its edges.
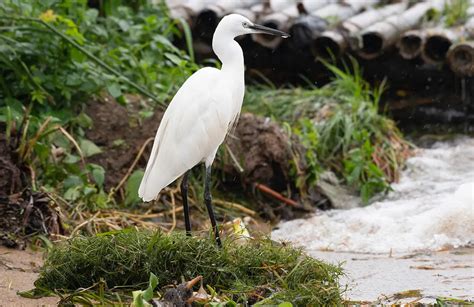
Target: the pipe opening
(301, 35)
(372, 43)
(463, 58)
(325, 47)
(206, 24)
(410, 46)
(436, 48)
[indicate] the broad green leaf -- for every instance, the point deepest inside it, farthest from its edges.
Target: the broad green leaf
(140, 297)
(131, 188)
(71, 159)
(72, 193)
(173, 58)
(89, 148)
(72, 181)
(114, 90)
(84, 120)
(98, 173)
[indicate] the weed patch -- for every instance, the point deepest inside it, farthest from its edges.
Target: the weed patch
(342, 129)
(260, 270)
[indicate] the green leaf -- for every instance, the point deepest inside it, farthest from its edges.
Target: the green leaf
(89, 190)
(72, 193)
(114, 90)
(131, 188)
(173, 58)
(72, 181)
(89, 148)
(141, 298)
(285, 304)
(84, 120)
(71, 159)
(98, 173)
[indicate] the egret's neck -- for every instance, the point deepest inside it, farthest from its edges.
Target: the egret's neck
(229, 53)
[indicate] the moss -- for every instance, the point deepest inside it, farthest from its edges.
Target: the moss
(240, 272)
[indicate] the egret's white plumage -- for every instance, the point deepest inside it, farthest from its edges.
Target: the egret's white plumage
(202, 111)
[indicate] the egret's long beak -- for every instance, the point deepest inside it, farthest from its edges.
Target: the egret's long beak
(267, 30)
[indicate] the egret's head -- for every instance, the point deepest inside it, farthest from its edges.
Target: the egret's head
(235, 25)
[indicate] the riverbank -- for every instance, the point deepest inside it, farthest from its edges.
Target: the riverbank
(418, 237)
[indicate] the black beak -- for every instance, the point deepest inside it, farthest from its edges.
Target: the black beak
(268, 30)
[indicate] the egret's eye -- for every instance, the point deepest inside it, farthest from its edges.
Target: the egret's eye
(245, 24)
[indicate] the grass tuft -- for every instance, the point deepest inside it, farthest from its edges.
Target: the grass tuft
(342, 128)
(261, 269)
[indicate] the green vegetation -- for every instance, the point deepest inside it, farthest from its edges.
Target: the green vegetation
(342, 129)
(260, 270)
(455, 12)
(55, 56)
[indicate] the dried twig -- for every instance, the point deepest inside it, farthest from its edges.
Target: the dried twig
(276, 195)
(130, 169)
(73, 141)
(234, 159)
(235, 206)
(76, 229)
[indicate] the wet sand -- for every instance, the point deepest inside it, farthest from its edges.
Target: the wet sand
(18, 271)
(380, 277)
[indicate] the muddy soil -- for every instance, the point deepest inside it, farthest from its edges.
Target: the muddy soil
(256, 151)
(18, 271)
(10, 173)
(120, 134)
(22, 213)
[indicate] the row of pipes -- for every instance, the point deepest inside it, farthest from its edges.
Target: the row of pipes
(329, 28)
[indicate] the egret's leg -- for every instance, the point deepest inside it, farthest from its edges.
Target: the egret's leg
(184, 196)
(208, 200)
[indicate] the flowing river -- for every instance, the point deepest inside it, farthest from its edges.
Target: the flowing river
(419, 237)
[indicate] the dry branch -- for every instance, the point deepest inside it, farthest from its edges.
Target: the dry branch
(276, 195)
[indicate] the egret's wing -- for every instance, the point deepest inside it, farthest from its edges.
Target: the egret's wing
(192, 128)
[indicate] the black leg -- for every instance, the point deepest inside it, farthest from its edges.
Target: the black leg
(208, 200)
(184, 196)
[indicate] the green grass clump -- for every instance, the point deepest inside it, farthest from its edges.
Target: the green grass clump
(455, 12)
(126, 259)
(341, 127)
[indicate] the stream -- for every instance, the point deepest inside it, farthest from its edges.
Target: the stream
(420, 236)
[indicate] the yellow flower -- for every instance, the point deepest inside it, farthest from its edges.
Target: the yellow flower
(48, 16)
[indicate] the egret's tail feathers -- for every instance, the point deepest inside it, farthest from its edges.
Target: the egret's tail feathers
(152, 184)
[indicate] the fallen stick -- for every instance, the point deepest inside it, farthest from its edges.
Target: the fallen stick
(276, 195)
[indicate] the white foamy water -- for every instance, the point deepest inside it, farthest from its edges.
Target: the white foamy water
(431, 208)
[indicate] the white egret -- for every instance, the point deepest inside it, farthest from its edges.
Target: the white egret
(199, 116)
